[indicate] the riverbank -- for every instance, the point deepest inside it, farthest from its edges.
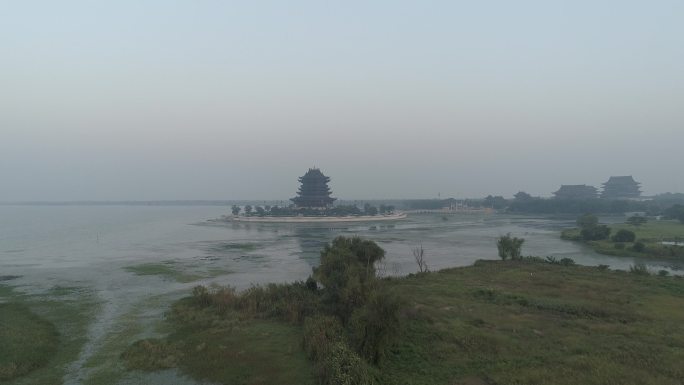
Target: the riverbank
(493, 322)
(656, 238)
(321, 219)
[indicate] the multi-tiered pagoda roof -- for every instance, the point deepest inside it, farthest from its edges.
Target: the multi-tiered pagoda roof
(576, 191)
(314, 191)
(621, 187)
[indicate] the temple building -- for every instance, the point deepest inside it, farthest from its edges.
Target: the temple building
(621, 187)
(314, 191)
(576, 191)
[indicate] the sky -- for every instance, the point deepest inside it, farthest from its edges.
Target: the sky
(156, 100)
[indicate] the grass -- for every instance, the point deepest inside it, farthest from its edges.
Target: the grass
(163, 269)
(28, 341)
(225, 349)
(42, 334)
(168, 270)
(512, 322)
(650, 234)
(531, 323)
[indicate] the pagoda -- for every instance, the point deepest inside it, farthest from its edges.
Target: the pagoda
(621, 187)
(314, 191)
(576, 191)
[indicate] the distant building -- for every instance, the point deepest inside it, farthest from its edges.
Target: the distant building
(576, 191)
(621, 187)
(314, 191)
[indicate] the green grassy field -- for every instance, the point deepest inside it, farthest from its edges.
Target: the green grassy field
(28, 341)
(492, 323)
(650, 234)
(40, 335)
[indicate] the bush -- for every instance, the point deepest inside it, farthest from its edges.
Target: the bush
(510, 247)
(619, 246)
(374, 326)
(663, 273)
(595, 233)
(587, 221)
(636, 220)
(347, 272)
(320, 333)
(567, 261)
(624, 236)
(639, 247)
(291, 303)
(343, 366)
(639, 269)
(201, 296)
(603, 267)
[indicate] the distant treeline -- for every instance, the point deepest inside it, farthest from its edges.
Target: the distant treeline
(527, 204)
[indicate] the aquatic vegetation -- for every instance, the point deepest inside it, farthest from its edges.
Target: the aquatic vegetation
(164, 269)
(28, 341)
(41, 336)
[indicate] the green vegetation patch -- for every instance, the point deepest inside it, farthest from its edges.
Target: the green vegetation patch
(235, 246)
(647, 243)
(519, 322)
(27, 341)
(225, 349)
(163, 269)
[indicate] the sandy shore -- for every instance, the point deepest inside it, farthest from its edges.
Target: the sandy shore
(302, 219)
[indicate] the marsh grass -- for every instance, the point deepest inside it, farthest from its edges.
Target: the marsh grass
(40, 335)
(163, 269)
(513, 322)
(28, 341)
(649, 234)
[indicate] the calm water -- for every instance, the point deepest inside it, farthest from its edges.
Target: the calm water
(91, 246)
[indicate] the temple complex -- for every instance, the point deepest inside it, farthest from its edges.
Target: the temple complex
(576, 191)
(621, 187)
(314, 191)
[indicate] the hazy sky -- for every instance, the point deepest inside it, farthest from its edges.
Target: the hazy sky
(123, 100)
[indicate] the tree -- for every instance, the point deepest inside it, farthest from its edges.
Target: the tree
(248, 210)
(636, 220)
(235, 210)
(371, 210)
(587, 221)
(260, 211)
(595, 233)
(347, 273)
(419, 257)
(675, 212)
(510, 247)
(522, 196)
(495, 202)
(624, 236)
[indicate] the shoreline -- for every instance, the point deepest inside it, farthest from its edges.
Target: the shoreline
(311, 219)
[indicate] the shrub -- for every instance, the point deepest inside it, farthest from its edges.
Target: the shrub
(639, 247)
(567, 261)
(510, 247)
(288, 302)
(603, 267)
(587, 221)
(663, 273)
(639, 269)
(201, 296)
(320, 333)
(636, 220)
(347, 272)
(374, 326)
(595, 233)
(619, 246)
(343, 366)
(624, 236)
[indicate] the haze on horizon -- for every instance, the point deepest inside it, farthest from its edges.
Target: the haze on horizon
(162, 100)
